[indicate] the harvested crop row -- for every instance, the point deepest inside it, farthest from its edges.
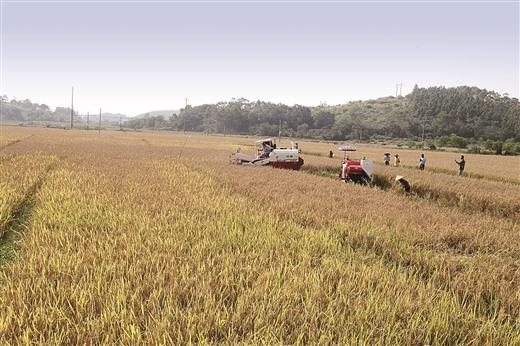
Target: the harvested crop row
(494, 167)
(17, 176)
(499, 199)
(468, 194)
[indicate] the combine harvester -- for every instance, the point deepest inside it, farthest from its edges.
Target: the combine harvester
(356, 171)
(277, 157)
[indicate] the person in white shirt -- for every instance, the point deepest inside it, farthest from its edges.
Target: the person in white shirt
(422, 162)
(386, 159)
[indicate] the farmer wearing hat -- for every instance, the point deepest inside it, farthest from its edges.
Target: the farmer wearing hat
(405, 185)
(386, 159)
(397, 160)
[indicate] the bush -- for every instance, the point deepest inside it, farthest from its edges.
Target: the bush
(474, 149)
(458, 142)
(510, 147)
(452, 141)
(443, 141)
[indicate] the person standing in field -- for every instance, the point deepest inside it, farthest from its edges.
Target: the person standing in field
(462, 164)
(422, 162)
(397, 160)
(331, 154)
(386, 159)
(405, 185)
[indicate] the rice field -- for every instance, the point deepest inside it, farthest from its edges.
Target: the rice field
(154, 238)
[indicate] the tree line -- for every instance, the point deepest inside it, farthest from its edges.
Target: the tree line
(27, 111)
(466, 112)
(470, 113)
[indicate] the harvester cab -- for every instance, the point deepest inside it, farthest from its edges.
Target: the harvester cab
(359, 171)
(269, 154)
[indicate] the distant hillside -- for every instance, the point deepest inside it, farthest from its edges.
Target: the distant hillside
(167, 113)
(105, 117)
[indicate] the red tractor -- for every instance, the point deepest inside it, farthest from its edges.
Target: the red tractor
(359, 171)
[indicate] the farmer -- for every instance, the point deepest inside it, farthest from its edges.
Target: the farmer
(405, 185)
(397, 160)
(462, 164)
(422, 162)
(331, 154)
(386, 159)
(265, 151)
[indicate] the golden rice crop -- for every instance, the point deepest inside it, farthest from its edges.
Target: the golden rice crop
(138, 238)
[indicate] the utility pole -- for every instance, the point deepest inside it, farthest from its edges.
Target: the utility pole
(88, 119)
(99, 124)
(120, 123)
(398, 89)
(72, 110)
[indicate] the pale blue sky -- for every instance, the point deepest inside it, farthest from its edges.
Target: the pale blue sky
(132, 57)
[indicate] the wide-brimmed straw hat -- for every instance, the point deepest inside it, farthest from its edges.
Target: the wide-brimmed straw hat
(399, 177)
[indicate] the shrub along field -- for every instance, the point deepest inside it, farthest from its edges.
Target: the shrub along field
(128, 238)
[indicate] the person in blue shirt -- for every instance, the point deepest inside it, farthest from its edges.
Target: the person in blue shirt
(265, 151)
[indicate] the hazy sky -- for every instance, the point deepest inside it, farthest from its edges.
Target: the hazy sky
(132, 57)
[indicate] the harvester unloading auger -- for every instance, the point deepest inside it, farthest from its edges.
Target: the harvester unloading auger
(288, 158)
(359, 171)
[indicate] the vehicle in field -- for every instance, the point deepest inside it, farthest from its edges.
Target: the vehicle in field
(287, 158)
(359, 171)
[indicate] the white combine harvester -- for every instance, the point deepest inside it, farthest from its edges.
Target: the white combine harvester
(354, 170)
(275, 157)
